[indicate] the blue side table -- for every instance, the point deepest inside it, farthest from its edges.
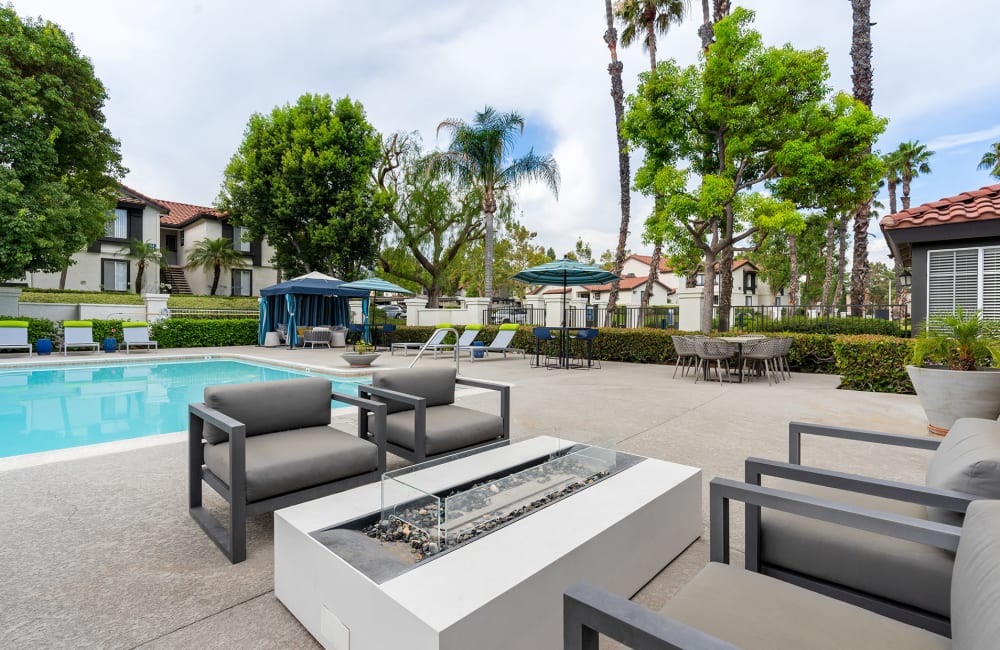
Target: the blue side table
(43, 346)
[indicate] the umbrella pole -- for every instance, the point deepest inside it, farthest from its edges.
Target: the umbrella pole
(565, 333)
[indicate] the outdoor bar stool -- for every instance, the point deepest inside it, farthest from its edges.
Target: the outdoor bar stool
(587, 336)
(710, 350)
(541, 334)
(388, 334)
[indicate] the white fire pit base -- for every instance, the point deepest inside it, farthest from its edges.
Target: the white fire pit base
(503, 590)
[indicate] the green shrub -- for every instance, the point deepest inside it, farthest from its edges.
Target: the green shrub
(847, 325)
(874, 363)
(199, 332)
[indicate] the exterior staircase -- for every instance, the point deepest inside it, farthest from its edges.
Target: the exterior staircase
(174, 276)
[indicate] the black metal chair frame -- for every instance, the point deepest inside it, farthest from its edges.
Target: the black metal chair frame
(538, 341)
(419, 404)
(233, 542)
(756, 468)
(589, 340)
(589, 611)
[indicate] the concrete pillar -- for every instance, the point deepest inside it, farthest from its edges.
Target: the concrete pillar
(536, 307)
(156, 306)
(689, 303)
(357, 315)
(9, 298)
(413, 308)
(578, 312)
(553, 310)
(475, 307)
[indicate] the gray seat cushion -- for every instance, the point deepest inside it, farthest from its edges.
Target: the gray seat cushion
(436, 385)
(975, 591)
(905, 572)
(268, 406)
(449, 428)
(755, 612)
(288, 461)
(968, 460)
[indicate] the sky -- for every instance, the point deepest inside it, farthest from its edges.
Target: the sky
(185, 76)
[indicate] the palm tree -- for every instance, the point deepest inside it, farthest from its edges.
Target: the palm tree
(624, 176)
(892, 172)
(215, 255)
(479, 156)
(861, 76)
(143, 254)
(991, 160)
(912, 158)
(647, 18)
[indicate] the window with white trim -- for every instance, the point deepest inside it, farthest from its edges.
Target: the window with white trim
(241, 282)
(239, 243)
(114, 275)
(118, 229)
(965, 277)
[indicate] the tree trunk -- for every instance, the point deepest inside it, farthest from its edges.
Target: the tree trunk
(651, 43)
(708, 293)
(861, 76)
(691, 279)
(705, 31)
(891, 185)
(215, 279)
(793, 262)
(433, 296)
(906, 191)
(488, 255)
(624, 176)
(828, 271)
(725, 288)
(140, 267)
(654, 273)
(842, 265)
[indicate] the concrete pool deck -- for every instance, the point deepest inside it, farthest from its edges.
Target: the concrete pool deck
(100, 551)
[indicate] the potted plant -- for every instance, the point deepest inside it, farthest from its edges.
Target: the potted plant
(363, 355)
(949, 370)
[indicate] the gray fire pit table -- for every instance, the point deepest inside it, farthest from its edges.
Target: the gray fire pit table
(502, 590)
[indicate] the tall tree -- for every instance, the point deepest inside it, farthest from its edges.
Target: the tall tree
(892, 172)
(479, 156)
(861, 76)
(144, 254)
(302, 179)
(697, 120)
(624, 176)
(215, 255)
(59, 163)
(991, 160)
(913, 159)
(432, 219)
(644, 20)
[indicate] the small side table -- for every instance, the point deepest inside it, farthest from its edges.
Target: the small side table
(272, 340)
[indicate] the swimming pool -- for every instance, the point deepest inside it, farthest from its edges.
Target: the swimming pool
(42, 409)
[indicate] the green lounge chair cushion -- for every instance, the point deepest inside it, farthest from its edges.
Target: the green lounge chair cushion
(135, 324)
(509, 326)
(13, 323)
(267, 407)
(77, 323)
(474, 326)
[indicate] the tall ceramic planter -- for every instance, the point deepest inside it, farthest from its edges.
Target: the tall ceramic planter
(947, 395)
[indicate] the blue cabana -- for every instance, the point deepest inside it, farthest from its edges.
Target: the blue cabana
(309, 300)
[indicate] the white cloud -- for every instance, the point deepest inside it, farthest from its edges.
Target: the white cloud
(961, 139)
(185, 76)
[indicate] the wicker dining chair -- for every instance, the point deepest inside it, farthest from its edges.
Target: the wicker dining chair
(710, 350)
(763, 355)
(687, 354)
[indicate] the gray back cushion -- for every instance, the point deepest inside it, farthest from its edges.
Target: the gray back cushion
(269, 406)
(436, 385)
(975, 585)
(968, 460)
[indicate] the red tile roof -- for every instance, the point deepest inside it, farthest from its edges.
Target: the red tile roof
(184, 213)
(979, 205)
(624, 284)
(130, 196)
(648, 261)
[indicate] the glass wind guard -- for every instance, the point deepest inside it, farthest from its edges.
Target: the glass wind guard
(490, 505)
(415, 507)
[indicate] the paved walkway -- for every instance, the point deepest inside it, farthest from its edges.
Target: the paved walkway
(101, 552)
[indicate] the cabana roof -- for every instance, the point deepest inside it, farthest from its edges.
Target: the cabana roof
(314, 284)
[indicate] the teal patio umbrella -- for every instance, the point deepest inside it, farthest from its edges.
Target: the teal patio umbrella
(372, 285)
(565, 272)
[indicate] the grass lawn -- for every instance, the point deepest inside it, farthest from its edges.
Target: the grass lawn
(111, 298)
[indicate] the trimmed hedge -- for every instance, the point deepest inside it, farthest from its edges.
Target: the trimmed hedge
(874, 363)
(200, 332)
(829, 326)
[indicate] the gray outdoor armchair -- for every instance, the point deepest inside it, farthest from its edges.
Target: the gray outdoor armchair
(896, 578)
(268, 445)
(724, 607)
(423, 421)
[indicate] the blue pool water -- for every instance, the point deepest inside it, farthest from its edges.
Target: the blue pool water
(60, 407)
